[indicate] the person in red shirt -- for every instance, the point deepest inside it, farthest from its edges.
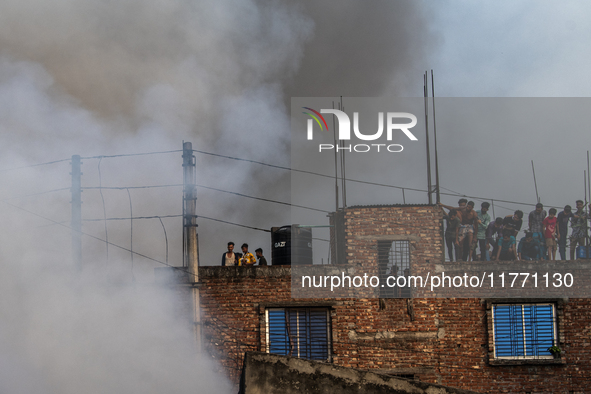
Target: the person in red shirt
(549, 224)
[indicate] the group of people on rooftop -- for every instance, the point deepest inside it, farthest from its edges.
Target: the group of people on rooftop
(468, 230)
(230, 258)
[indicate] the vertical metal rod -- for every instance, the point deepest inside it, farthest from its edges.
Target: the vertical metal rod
(403, 197)
(535, 183)
(426, 93)
(589, 194)
(190, 230)
(343, 166)
(76, 224)
(336, 189)
(585, 186)
(437, 196)
(336, 165)
(493, 208)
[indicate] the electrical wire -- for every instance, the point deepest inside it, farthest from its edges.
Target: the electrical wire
(34, 165)
(104, 209)
(130, 154)
(131, 235)
(209, 188)
(262, 199)
(100, 157)
(304, 171)
(130, 187)
(133, 218)
(199, 216)
(357, 180)
(165, 238)
(37, 194)
(180, 269)
(234, 224)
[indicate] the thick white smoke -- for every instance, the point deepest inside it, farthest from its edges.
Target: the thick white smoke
(105, 78)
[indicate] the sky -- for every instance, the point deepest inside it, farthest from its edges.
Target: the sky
(112, 82)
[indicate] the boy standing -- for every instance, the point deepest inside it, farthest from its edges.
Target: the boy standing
(247, 258)
(550, 233)
(483, 222)
(579, 225)
(262, 259)
(562, 230)
(451, 233)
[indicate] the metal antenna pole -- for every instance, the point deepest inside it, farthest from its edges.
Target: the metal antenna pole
(589, 190)
(586, 212)
(343, 167)
(336, 165)
(426, 93)
(76, 224)
(334, 239)
(535, 183)
(437, 196)
(190, 231)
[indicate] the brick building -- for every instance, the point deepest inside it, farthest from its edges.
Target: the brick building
(484, 345)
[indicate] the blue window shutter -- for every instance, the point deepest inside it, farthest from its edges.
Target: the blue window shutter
(539, 329)
(508, 330)
(299, 332)
(278, 338)
(524, 330)
(318, 335)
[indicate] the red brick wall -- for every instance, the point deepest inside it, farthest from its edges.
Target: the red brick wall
(443, 341)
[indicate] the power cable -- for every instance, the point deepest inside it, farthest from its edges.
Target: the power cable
(209, 188)
(354, 180)
(165, 237)
(37, 194)
(304, 171)
(104, 209)
(129, 187)
(34, 165)
(181, 269)
(100, 157)
(131, 235)
(262, 199)
(133, 218)
(130, 154)
(198, 216)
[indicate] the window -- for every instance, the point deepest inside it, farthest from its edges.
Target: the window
(393, 260)
(299, 332)
(524, 331)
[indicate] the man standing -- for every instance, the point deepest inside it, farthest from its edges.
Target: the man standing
(467, 229)
(536, 225)
(562, 230)
(483, 222)
(451, 234)
(229, 258)
(579, 225)
(550, 234)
